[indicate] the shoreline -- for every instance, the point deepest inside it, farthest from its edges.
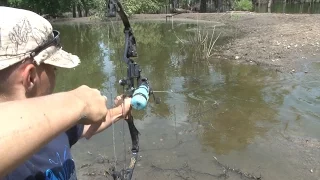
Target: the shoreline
(283, 42)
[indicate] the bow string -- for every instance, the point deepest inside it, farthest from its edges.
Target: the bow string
(135, 86)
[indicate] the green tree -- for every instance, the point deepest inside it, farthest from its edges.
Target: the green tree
(3, 2)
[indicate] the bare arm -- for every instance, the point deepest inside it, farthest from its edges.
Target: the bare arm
(27, 125)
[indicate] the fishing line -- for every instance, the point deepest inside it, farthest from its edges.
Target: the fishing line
(112, 103)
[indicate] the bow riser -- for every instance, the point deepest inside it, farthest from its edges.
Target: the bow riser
(136, 87)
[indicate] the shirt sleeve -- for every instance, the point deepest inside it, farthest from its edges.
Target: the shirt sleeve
(74, 134)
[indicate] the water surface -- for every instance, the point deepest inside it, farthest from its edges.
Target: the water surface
(252, 119)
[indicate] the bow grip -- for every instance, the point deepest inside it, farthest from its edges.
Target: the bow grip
(140, 96)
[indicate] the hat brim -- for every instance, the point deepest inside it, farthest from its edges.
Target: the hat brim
(63, 59)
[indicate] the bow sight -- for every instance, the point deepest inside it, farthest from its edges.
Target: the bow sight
(135, 86)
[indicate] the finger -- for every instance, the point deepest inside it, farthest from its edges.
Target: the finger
(128, 113)
(116, 100)
(92, 130)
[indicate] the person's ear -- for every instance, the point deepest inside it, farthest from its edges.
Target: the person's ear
(29, 76)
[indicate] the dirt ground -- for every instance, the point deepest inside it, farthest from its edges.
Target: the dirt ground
(284, 42)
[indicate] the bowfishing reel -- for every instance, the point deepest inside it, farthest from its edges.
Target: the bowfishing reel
(141, 94)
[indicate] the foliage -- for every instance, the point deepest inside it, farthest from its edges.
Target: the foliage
(99, 7)
(243, 5)
(142, 6)
(52, 7)
(200, 43)
(80, 8)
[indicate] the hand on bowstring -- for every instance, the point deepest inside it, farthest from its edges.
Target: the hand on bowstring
(125, 103)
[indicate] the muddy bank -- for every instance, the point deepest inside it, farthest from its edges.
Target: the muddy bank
(286, 42)
(276, 156)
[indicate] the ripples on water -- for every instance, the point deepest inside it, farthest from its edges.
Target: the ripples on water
(213, 108)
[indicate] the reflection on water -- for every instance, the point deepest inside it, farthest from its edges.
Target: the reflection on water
(210, 107)
(243, 112)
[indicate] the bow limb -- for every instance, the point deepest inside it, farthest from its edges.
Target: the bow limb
(122, 15)
(135, 146)
(133, 73)
(134, 134)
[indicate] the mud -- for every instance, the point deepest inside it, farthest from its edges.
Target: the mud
(285, 42)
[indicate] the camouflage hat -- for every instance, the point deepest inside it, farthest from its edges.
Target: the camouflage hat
(25, 34)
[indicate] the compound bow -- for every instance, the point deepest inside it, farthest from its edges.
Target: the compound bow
(137, 87)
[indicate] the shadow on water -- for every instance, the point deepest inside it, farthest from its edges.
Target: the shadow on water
(252, 119)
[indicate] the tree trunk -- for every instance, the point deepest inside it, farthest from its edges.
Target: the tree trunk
(301, 8)
(254, 2)
(74, 10)
(86, 9)
(203, 6)
(269, 6)
(176, 4)
(79, 10)
(172, 5)
(230, 5)
(219, 6)
(284, 6)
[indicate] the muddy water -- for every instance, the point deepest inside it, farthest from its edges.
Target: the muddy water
(253, 120)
